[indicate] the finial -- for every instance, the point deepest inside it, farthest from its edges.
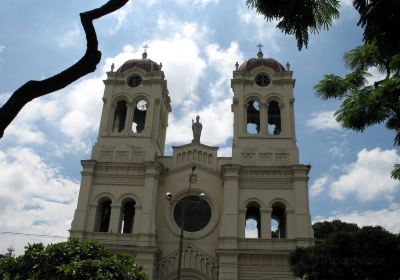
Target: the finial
(260, 53)
(237, 65)
(145, 47)
(160, 65)
(288, 66)
(112, 67)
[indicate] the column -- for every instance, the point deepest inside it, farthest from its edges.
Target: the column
(284, 120)
(129, 117)
(114, 218)
(302, 217)
(80, 222)
(291, 112)
(146, 259)
(266, 223)
(147, 226)
(263, 118)
(229, 225)
(290, 224)
(242, 223)
(228, 266)
(138, 220)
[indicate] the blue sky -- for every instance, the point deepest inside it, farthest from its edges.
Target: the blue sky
(198, 43)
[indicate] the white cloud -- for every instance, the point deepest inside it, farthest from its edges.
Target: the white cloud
(261, 30)
(324, 120)
(71, 37)
(182, 63)
(213, 133)
(75, 111)
(82, 105)
(2, 48)
(318, 186)
(347, 3)
(223, 61)
(369, 177)
(120, 17)
(24, 128)
(376, 75)
(387, 218)
(35, 197)
(202, 3)
(150, 3)
(340, 145)
(251, 230)
(225, 151)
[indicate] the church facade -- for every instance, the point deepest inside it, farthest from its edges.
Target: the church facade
(241, 215)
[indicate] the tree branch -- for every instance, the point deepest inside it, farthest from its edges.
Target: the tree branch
(87, 64)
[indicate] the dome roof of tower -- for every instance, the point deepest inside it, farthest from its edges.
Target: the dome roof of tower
(252, 63)
(146, 64)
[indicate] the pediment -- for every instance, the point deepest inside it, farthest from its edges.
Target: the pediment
(194, 154)
(194, 260)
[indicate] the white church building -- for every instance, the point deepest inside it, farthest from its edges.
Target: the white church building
(132, 195)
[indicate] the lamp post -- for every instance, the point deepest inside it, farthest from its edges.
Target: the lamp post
(168, 196)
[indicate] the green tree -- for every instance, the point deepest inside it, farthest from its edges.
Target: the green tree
(71, 260)
(324, 229)
(299, 17)
(349, 253)
(363, 104)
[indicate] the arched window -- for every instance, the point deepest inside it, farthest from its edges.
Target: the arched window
(253, 117)
(253, 219)
(103, 214)
(119, 116)
(127, 216)
(278, 221)
(139, 116)
(274, 118)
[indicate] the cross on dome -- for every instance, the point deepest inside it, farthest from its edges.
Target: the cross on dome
(260, 53)
(145, 47)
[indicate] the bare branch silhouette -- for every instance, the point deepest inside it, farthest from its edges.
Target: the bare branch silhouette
(87, 64)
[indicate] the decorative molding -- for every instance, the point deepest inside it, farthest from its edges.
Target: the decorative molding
(264, 260)
(122, 156)
(192, 258)
(265, 158)
(248, 158)
(129, 181)
(262, 183)
(282, 158)
(138, 156)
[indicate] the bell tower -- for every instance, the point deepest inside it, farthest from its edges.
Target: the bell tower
(119, 186)
(264, 130)
(135, 113)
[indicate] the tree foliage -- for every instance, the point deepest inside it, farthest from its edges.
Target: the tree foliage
(300, 17)
(71, 260)
(380, 20)
(348, 253)
(363, 104)
(324, 229)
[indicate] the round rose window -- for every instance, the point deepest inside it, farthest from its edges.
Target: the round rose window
(197, 213)
(262, 80)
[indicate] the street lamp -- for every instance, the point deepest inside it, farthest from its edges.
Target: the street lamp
(168, 196)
